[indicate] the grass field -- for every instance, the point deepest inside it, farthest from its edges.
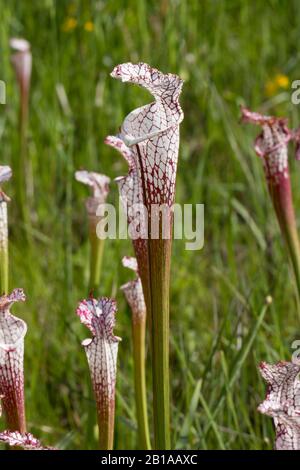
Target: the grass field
(228, 53)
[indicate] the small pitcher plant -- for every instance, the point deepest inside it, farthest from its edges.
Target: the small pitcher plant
(149, 141)
(5, 175)
(100, 189)
(101, 351)
(21, 60)
(133, 291)
(17, 439)
(272, 146)
(12, 333)
(25, 441)
(282, 402)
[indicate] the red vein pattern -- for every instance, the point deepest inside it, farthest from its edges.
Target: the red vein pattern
(134, 292)
(282, 402)
(26, 440)
(152, 131)
(131, 195)
(99, 317)
(12, 333)
(99, 185)
(271, 144)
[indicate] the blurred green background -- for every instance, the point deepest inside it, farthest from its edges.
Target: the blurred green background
(229, 53)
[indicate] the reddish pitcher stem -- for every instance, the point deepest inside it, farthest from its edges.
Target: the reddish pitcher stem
(160, 256)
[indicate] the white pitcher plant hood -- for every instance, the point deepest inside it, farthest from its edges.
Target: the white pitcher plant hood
(151, 133)
(22, 62)
(12, 333)
(98, 315)
(282, 402)
(99, 185)
(133, 291)
(26, 440)
(271, 144)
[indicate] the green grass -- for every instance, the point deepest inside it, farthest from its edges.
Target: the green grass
(226, 52)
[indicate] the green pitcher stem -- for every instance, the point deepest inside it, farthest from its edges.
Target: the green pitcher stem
(159, 262)
(96, 254)
(3, 249)
(139, 335)
(106, 423)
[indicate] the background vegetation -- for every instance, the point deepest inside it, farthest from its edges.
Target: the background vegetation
(229, 53)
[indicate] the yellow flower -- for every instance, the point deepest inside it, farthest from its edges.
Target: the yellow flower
(282, 80)
(69, 24)
(89, 26)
